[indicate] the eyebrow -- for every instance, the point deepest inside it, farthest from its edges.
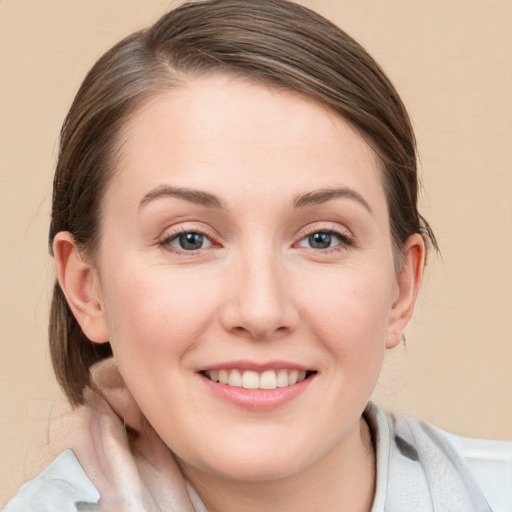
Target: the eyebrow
(211, 201)
(327, 194)
(193, 196)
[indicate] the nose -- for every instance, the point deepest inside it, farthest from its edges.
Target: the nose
(261, 303)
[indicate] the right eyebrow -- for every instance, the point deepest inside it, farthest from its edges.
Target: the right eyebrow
(324, 195)
(188, 194)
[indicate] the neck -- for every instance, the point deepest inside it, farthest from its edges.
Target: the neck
(343, 479)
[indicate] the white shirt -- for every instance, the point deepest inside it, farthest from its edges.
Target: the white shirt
(419, 469)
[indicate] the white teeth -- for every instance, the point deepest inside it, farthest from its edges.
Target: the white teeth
(282, 379)
(292, 377)
(268, 380)
(235, 379)
(248, 379)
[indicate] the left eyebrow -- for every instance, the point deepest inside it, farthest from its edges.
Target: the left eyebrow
(327, 194)
(193, 196)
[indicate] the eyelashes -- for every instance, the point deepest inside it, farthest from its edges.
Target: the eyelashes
(187, 240)
(326, 240)
(317, 239)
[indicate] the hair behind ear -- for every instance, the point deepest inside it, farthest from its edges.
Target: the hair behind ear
(72, 353)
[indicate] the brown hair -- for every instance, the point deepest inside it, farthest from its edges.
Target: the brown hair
(273, 41)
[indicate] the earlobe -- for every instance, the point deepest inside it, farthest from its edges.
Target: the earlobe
(408, 281)
(80, 284)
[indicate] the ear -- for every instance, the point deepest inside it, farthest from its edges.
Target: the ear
(408, 284)
(80, 284)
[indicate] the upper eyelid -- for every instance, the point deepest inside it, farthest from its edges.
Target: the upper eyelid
(345, 235)
(172, 231)
(325, 228)
(170, 234)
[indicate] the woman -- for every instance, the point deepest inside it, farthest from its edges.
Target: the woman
(237, 242)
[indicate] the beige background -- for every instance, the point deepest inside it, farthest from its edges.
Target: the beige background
(451, 61)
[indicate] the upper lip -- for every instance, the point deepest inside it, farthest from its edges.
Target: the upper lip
(257, 366)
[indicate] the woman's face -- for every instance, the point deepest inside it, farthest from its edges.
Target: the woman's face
(245, 237)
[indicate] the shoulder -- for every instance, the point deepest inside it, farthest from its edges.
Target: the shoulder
(471, 474)
(62, 487)
(490, 463)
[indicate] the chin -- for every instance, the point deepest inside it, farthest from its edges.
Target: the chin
(246, 470)
(259, 461)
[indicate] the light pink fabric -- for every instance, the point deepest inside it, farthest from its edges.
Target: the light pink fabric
(133, 472)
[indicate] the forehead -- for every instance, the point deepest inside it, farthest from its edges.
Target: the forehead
(226, 133)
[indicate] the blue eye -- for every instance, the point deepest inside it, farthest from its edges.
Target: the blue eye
(190, 241)
(324, 240)
(320, 240)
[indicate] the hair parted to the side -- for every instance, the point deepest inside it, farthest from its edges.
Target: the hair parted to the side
(276, 42)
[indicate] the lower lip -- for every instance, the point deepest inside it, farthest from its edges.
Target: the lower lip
(257, 399)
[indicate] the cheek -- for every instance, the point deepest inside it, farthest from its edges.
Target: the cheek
(348, 312)
(157, 309)
(349, 303)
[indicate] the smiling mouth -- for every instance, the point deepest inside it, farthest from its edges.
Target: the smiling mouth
(249, 379)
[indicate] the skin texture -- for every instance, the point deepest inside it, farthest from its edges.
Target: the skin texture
(256, 291)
